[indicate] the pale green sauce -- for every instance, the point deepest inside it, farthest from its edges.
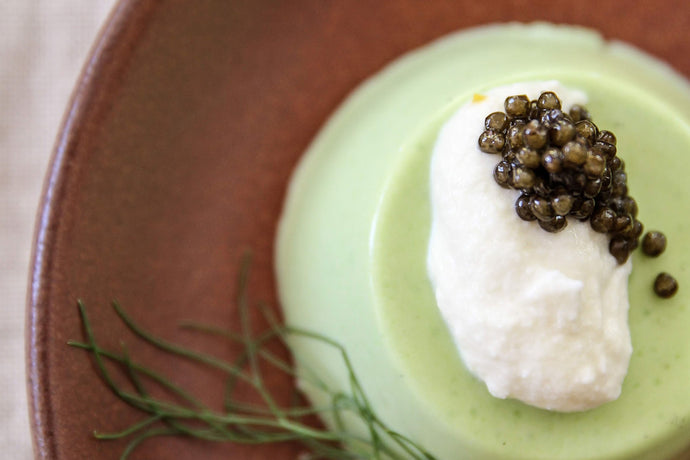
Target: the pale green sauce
(351, 249)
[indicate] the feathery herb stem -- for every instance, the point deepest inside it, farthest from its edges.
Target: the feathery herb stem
(183, 414)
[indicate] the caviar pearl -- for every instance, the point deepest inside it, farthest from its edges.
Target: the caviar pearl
(653, 243)
(517, 106)
(496, 121)
(522, 208)
(535, 135)
(665, 285)
(548, 100)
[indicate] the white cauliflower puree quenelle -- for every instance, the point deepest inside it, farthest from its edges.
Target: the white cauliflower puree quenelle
(540, 317)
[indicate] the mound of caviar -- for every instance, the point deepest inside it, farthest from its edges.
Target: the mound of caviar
(565, 166)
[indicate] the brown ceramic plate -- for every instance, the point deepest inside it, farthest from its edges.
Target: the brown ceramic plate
(174, 157)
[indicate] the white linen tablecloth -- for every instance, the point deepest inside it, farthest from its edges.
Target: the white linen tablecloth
(43, 44)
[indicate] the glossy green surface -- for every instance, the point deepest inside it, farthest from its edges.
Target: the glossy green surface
(352, 247)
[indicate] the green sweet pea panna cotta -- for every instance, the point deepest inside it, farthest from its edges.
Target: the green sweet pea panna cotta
(352, 244)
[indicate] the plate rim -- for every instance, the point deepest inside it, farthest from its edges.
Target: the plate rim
(115, 42)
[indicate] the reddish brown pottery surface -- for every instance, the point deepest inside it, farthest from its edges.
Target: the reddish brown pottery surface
(174, 157)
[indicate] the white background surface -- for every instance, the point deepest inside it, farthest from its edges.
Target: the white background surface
(43, 44)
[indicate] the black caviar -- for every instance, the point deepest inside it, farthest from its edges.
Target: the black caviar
(653, 243)
(564, 166)
(665, 285)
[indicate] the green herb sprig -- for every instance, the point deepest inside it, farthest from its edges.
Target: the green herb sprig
(183, 414)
